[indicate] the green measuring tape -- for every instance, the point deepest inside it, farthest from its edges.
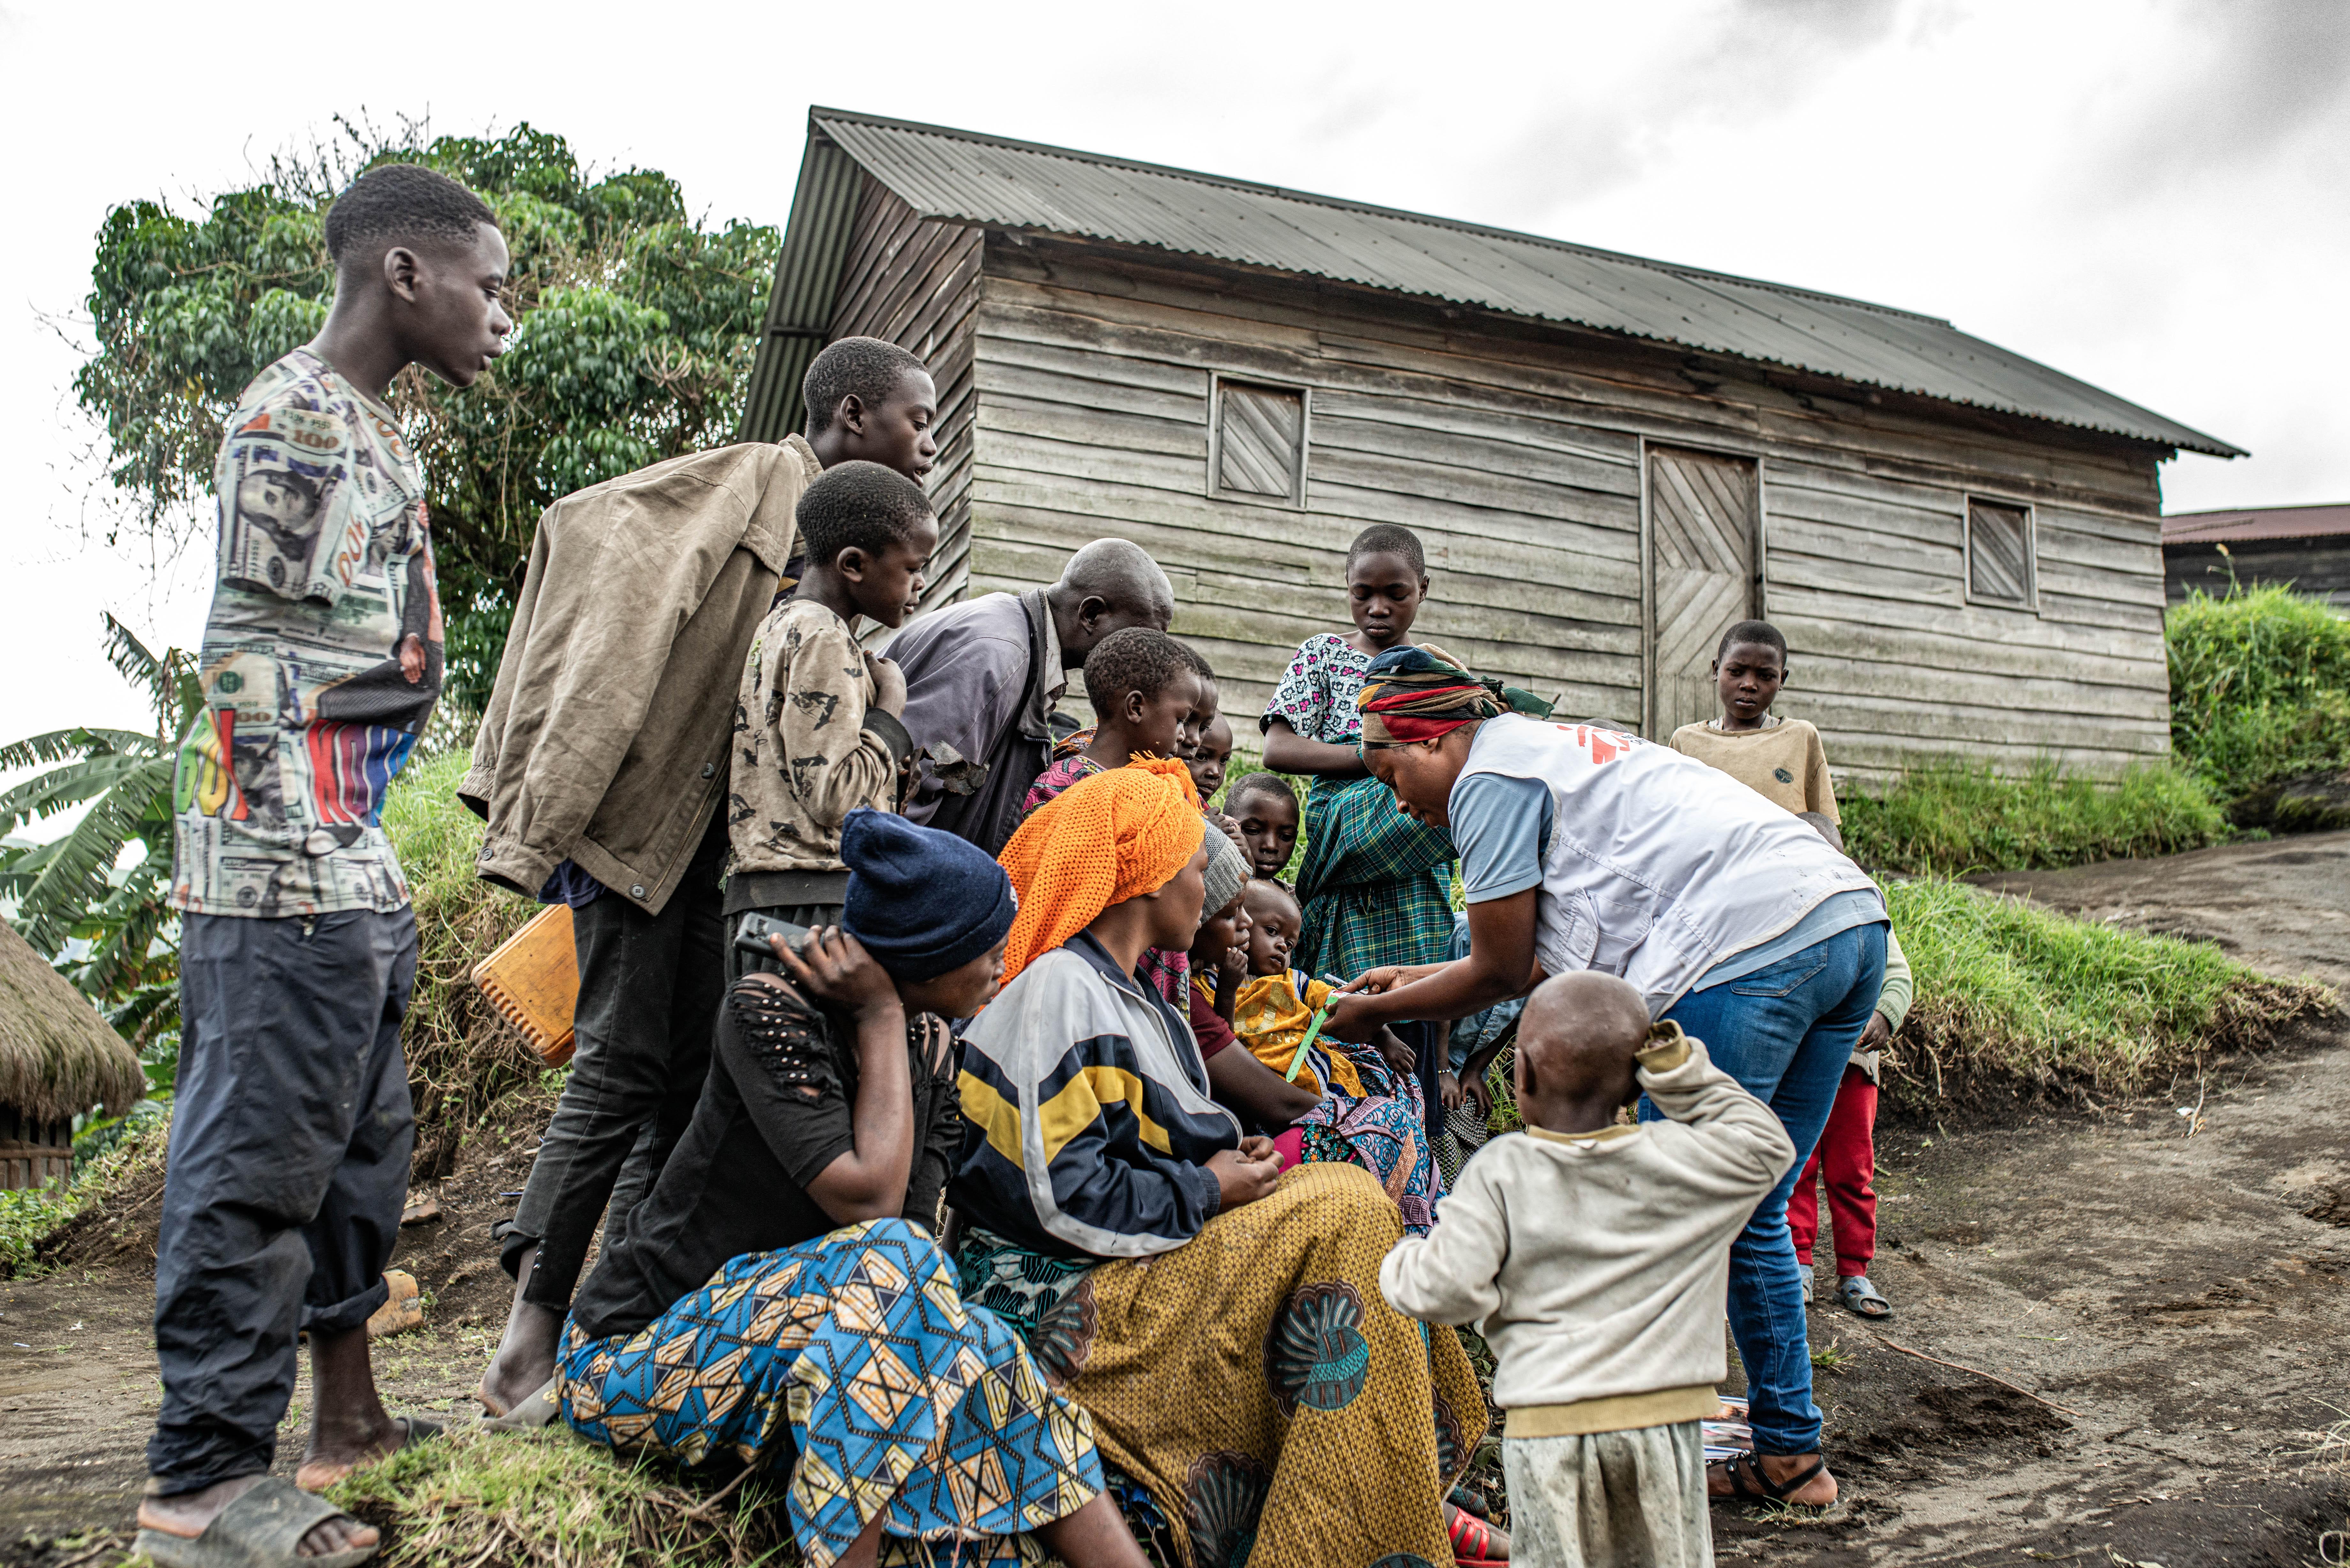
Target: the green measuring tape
(1312, 1033)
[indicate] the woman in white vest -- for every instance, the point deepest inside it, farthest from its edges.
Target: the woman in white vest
(1582, 847)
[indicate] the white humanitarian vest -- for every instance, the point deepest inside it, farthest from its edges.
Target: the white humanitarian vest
(1658, 866)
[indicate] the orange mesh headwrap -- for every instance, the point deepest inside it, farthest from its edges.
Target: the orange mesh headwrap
(1106, 838)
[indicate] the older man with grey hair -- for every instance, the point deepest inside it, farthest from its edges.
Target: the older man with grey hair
(982, 677)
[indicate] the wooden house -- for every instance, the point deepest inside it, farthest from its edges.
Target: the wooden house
(1610, 459)
(57, 1059)
(2302, 547)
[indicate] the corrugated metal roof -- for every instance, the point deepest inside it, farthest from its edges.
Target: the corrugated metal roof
(2256, 523)
(960, 176)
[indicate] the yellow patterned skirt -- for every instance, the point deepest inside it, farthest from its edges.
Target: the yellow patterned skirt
(1278, 1411)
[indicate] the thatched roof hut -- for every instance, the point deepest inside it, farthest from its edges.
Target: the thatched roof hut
(57, 1059)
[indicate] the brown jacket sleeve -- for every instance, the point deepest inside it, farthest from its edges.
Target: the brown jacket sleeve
(1819, 790)
(603, 741)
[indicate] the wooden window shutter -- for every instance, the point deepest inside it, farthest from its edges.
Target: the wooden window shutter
(1261, 441)
(1998, 554)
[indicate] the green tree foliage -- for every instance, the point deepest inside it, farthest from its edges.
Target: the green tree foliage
(73, 887)
(635, 324)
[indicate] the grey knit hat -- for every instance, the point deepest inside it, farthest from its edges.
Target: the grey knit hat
(1226, 871)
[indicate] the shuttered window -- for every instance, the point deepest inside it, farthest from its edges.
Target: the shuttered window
(2000, 567)
(1260, 442)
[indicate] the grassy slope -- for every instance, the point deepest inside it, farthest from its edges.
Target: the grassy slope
(460, 1058)
(2011, 997)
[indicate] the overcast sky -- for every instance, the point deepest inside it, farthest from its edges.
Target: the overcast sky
(2153, 195)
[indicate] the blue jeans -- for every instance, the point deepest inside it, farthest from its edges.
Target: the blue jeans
(1784, 1033)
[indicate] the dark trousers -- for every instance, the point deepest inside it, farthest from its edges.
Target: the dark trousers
(291, 1131)
(649, 986)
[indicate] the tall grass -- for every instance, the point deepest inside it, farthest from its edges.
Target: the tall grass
(461, 1057)
(1950, 818)
(2013, 997)
(2260, 686)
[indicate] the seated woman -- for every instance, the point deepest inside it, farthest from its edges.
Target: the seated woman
(777, 1296)
(1221, 1323)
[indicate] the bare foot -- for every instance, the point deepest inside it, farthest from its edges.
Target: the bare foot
(1778, 1468)
(348, 1425)
(186, 1514)
(526, 1357)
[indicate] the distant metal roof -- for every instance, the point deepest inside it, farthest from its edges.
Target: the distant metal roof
(2256, 523)
(960, 176)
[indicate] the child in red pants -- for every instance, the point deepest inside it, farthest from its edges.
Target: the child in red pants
(1846, 1155)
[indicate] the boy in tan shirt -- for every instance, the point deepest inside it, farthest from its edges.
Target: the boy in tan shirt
(816, 727)
(1779, 759)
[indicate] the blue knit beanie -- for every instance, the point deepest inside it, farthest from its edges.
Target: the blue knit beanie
(921, 901)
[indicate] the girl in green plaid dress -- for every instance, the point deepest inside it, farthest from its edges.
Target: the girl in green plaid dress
(1376, 887)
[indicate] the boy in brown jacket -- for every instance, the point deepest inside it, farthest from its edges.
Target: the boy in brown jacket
(602, 763)
(818, 731)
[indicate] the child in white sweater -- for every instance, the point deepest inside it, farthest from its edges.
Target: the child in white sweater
(1596, 1256)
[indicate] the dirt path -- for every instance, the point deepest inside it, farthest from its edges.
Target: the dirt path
(2171, 1292)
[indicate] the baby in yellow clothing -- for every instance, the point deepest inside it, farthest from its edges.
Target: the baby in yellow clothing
(1781, 759)
(1277, 1004)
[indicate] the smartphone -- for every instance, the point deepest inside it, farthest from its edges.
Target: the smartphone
(751, 935)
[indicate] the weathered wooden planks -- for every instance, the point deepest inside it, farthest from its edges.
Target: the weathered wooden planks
(1083, 384)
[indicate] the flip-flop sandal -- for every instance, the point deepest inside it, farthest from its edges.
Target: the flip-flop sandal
(1750, 1483)
(414, 1429)
(1474, 1544)
(535, 1409)
(262, 1529)
(1861, 1299)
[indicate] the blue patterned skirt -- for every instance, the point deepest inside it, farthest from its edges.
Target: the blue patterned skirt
(853, 1360)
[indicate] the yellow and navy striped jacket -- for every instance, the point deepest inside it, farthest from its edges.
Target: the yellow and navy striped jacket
(1088, 1120)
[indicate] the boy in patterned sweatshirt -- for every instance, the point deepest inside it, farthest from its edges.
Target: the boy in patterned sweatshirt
(816, 727)
(1596, 1255)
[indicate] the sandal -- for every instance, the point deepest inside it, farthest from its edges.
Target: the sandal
(262, 1529)
(1861, 1299)
(1748, 1482)
(1475, 1543)
(414, 1429)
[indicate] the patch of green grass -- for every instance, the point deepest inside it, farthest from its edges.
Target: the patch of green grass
(31, 1217)
(1832, 1358)
(529, 1500)
(1950, 818)
(2010, 996)
(460, 1058)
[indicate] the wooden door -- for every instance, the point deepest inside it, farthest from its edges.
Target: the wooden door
(1704, 514)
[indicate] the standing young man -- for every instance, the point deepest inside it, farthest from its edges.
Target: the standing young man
(291, 1126)
(602, 766)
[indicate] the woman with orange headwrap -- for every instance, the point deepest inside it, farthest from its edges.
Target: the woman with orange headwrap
(1253, 1396)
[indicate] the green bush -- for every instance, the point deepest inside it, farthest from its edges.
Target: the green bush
(1950, 818)
(2260, 686)
(2011, 996)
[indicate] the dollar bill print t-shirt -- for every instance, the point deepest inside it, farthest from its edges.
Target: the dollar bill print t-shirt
(322, 657)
